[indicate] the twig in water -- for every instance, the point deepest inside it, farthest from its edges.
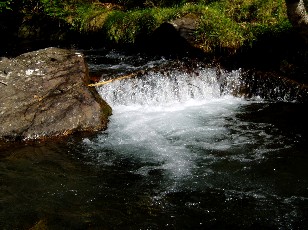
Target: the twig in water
(131, 75)
(115, 79)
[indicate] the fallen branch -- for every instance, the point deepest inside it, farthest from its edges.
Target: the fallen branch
(167, 66)
(131, 75)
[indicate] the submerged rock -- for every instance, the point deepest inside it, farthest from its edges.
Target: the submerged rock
(45, 94)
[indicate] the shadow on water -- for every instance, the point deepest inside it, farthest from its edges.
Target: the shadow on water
(225, 163)
(52, 182)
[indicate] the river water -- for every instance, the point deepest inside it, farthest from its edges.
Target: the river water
(180, 152)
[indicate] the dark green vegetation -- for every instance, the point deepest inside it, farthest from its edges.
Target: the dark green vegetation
(240, 29)
(227, 24)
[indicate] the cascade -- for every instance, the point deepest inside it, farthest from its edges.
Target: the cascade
(164, 88)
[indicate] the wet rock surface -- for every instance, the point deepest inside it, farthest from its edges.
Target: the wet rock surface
(45, 94)
(174, 38)
(187, 27)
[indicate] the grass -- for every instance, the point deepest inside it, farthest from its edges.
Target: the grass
(223, 24)
(231, 24)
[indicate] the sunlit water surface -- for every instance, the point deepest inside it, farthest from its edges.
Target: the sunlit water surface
(179, 153)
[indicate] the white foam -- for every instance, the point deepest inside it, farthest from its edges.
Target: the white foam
(163, 89)
(157, 118)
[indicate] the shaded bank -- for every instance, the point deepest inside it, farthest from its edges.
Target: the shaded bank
(252, 35)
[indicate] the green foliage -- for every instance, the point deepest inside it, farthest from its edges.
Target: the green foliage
(124, 27)
(218, 30)
(5, 5)
(230, 24)
(84, 17)
(54, 8)
(223, 24)
(139, 4)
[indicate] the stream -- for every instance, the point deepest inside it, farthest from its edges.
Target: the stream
(180, 152)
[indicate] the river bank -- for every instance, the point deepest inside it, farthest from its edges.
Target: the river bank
(250, 35)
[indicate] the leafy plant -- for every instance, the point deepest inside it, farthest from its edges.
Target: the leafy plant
(5, 5)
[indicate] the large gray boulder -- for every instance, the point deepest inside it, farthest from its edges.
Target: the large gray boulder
(45, 94)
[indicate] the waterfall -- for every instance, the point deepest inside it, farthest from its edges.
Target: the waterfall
(169, 87)
(158, 115)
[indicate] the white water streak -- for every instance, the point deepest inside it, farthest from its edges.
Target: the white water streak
(159, 117)
(166, 88)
